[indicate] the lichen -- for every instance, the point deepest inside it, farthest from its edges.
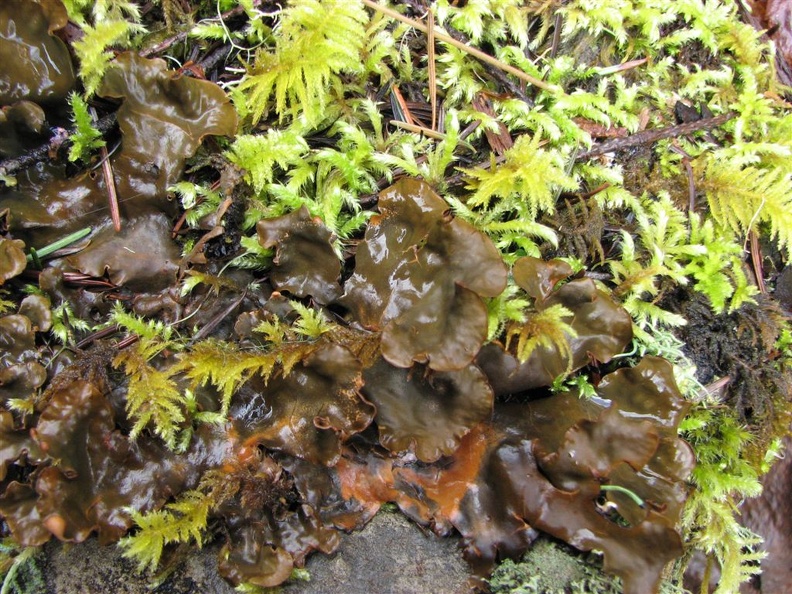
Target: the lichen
(550, 568)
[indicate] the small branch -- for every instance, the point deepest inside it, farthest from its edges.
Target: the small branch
(556, 35)
(41, 153)
(715, 387)
(112, 195)
(86, 280)
(166, 43)
(214, 58)
(214, 322)
(99, 334)
(493, 71)
(653, 135)
(623, 67)
(691, 179)
(499, 141)
(400, 108)
(594, 192)
(127, 341)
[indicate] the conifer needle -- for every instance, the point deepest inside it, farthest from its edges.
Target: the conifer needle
(476, 53)
(430, 36)
(416, 129)
(112, 195)
(60, 244)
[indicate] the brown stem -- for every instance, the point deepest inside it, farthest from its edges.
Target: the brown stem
(214, 322)
(99, 334)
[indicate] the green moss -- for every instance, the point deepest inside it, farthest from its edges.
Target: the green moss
(21, 570)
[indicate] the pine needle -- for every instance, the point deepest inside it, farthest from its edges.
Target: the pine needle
(430, 46)
(476, 53)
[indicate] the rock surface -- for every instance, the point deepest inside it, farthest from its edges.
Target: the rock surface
(390, 556)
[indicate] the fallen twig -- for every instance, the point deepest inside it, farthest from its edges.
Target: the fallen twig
(500, 141)
(41, 153)
(401, 111)
(623, 67)
(691, 179)
(99, 334)
(215, 321)
(714, 388)
(556, 35)
(655, 134)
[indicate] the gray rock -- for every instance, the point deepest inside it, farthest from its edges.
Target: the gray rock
(390, 556)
